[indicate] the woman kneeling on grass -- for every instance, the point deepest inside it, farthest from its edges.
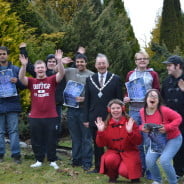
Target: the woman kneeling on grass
(162, 126)
(121, 136)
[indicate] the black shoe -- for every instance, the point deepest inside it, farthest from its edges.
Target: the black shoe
(112, 180)
(135, 180)
(17, 160)
(86, 168)
(1, 159)
(93, 171)
(76, 165)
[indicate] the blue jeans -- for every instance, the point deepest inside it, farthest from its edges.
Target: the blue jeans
(171, 148)
(81, 138)
(136, 116)
(9, 121)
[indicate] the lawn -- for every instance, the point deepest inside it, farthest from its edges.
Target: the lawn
(11, 173)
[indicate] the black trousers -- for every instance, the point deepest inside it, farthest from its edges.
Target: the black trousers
(178, 160)
(44, 137)
(98, 151)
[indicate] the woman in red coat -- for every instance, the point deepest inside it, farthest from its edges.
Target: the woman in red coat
(121, 136)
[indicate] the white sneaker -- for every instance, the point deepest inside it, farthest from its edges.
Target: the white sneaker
(37, 164)
(156, 182)
(53, 164)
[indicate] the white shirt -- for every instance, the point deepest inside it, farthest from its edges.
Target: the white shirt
(104, 76)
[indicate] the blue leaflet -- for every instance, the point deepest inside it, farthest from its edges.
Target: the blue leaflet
(157, 141)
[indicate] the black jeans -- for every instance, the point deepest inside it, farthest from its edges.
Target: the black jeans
(98, 151)
(44, 137)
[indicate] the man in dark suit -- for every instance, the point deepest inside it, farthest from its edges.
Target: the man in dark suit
(102, 87)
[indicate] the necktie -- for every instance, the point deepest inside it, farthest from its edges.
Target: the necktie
(101, 80)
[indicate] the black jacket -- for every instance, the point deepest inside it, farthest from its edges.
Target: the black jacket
(96, 106)
(172, 95)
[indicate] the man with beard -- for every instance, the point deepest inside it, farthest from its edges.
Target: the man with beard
(173, 94)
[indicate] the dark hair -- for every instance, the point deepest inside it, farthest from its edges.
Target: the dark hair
(159, 102)
(50, 56)
(115, 101)
(80, 56)
(181, 66)
(4, 48)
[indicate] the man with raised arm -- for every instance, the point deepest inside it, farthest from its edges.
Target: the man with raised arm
(43, 115)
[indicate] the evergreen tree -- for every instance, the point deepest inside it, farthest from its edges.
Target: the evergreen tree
(66, 9)
(97, 6)
(80, 30)
(12, 31)
(109, 32)
(38, 14)
(172, 26)
(155, 37)
(115, 38)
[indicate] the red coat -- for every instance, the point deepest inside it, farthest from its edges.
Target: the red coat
(117, 140)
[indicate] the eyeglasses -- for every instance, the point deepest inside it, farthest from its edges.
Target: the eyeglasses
(3, 54)
(139, 59)
(152, 96)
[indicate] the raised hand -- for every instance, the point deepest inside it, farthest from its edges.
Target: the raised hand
(23, 59)
(58, 54)
(181, 84)
(67, 60)
(129, 125)
(100, 124)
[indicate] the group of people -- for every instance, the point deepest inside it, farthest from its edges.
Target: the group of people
(100, 119)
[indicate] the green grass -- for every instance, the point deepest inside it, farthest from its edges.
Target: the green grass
(11, 173)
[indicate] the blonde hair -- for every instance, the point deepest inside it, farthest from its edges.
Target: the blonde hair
(141, 52)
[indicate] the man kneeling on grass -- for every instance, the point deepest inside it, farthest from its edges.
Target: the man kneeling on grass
(43, 116)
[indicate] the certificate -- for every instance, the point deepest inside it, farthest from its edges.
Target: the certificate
(7, 88)
(136, 90)
(72, 90)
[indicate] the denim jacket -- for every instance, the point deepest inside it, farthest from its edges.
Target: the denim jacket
(12, 104)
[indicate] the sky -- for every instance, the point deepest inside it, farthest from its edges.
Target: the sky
(143, 15)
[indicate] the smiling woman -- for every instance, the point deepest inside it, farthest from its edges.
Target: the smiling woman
(165, 141)
(120, 135)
